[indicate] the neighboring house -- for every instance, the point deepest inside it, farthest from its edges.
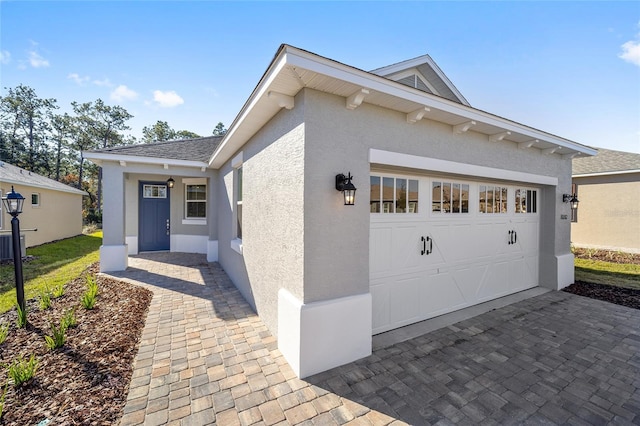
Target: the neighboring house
(484, 215)
(51, 207)
(608, 188)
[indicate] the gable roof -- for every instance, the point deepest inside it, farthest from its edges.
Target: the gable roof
(185, 151)
(423, 74)
(16, 176)
(606, 162)
(293, 69)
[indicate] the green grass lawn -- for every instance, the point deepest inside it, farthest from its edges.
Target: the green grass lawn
(600, 272)
(54, 263)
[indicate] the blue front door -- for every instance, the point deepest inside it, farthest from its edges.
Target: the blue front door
(153, 220)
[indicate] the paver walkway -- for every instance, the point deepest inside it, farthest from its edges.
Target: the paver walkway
(206, 358)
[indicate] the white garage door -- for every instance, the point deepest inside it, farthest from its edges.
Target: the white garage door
(440, 244)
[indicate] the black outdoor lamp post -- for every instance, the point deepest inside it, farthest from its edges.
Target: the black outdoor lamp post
(13, 203)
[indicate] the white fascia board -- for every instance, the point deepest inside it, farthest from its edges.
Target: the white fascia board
(383, 85)
(69, 190)
(389, 158)
(228, 142)
(617, 172)
(102, 156)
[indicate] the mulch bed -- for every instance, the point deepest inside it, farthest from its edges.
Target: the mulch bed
(620, 296)
(87, 380)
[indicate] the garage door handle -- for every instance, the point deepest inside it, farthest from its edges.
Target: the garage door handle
(515, 237)
(510, 237)
(424, 250)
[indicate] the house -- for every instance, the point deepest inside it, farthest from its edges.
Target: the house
(608, 188)
(265, 202)
(51, 207)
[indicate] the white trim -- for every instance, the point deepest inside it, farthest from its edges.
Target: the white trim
(566, 270)
(237, 160)
(212, 251)
(318, 336)
(101, 156)
(38, 196)
(132, 243)
(389, 158)
(194, 181)
(236, 245)
(113, 258)
(618, 172)
(202, 221)
(189, 243)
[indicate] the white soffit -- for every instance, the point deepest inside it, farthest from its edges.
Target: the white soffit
(293, 69)
(99, 157)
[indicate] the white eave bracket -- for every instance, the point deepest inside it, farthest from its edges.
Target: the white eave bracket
(283, 101)
(417, 115)
(552, 150)
(528, 144)
(499, 136)
(123, 163)
(355, 100)
(570, 156)
(463, 127)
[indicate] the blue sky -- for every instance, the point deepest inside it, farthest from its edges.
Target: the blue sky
(568, 68)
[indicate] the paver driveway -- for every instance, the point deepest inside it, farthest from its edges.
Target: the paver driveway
(206, 358)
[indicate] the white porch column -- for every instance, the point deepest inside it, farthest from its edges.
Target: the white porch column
(113, 252)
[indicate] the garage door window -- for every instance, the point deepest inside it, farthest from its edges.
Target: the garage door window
(449, 197)
(492, 199)
(393, 195)
(526, 200)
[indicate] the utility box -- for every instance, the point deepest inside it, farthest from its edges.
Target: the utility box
(6, 246)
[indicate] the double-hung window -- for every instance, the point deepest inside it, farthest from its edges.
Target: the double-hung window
(195, 201)
(238, 183)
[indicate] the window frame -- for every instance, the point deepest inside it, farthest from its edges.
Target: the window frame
(237, 199)
(37, 195)
(383, 207)
(189, 220)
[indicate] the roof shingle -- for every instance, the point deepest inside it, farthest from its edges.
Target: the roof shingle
(199, 149)
(606, 161)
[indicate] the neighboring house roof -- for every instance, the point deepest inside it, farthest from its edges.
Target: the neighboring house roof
(17, 176)
(607, 162)
(423, 74)
(197, 150)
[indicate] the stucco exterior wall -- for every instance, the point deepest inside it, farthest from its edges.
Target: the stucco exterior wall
(58, 216)
(337, 140)
(608, 213)
(273, 215)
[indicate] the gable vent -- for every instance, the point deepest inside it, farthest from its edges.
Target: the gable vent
(415, 82)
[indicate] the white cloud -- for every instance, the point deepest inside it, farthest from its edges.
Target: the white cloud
(5, 57)
(167, 99)
(78, 79)
(103, 83)
(37, 61)
(631, 50)
(123, 93)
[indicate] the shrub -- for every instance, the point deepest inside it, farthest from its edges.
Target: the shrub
(68, 319)
(4, 331)
(21, 321)
(89, 297)
(45, 299)
(58, 290)
(57, 339)
(21, 370)
(4, 394)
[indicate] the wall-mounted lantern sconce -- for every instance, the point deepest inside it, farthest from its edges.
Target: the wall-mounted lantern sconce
(571, 198)
(343, 183)
(171, 182)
